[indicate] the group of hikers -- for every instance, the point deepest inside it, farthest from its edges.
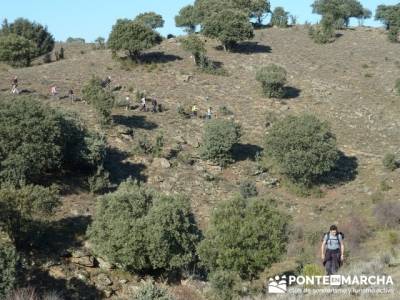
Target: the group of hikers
(54, 92)
(195, 110)
(155, 106)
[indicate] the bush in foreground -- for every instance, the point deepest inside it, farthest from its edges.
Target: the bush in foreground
(303, 148)
(16, 50)
(244, 236)
(140, 230)
(218, 139)
(19, 206)
(272, 79)
(100, 98)
(37, 141)
(8, 268)
(22, 41)
(150, 291)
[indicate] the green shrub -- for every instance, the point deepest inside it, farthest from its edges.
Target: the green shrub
(22, 40)
(390, 16)
(393, 237)
(259, 9)
(303, 148)
(196, 47)
(218, 139)
(8, 268)
(30, 144)
(340, 10)
(140, 230)
(248, 189)
(149, 291)
(132, 37)
(101, 98)
(397, 86)
(82, 150)
(229, 26)
(272, 79)
(324, 32)
(187, 19)
(244, 236)
(18, 206)
(225, 284)
(280, 17)
(16, 50)
(144, 146)
(390, 162)
(150, 19)
(100, 181)
(38, 140)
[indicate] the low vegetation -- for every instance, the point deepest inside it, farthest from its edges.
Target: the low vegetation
(141, 230)
(303, 148)
(244, 236)
(273, 80)
(218, 140)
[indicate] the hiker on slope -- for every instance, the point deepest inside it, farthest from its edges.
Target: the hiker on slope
(332, 250)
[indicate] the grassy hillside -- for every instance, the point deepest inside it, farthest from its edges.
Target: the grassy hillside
(349, 83)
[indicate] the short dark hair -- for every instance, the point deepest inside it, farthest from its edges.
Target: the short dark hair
(333, 227)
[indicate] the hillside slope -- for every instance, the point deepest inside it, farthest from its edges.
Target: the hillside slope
(348, 83)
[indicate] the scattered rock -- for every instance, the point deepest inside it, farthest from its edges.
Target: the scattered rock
(86, 261)
(193, 142)
(271, 182)
(179, 139)
(57, 272)
(102, 281)
(82, 275)
(284, 108)
(187, 78)
(108, 293)
(105, 265)
(161, 163)
(82, 257)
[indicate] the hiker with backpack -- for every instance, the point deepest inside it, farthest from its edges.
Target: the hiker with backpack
(54, 91)
(332, 250)
(71, 95)
(143, 104)
(14, 85)
(154, 105)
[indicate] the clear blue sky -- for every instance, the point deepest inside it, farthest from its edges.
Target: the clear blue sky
(90, 19)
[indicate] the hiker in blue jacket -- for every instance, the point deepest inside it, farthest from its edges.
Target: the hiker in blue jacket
(332, 250)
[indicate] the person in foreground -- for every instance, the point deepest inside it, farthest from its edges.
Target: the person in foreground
(332, 250)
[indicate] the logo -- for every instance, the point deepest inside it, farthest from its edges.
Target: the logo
(277, 285)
